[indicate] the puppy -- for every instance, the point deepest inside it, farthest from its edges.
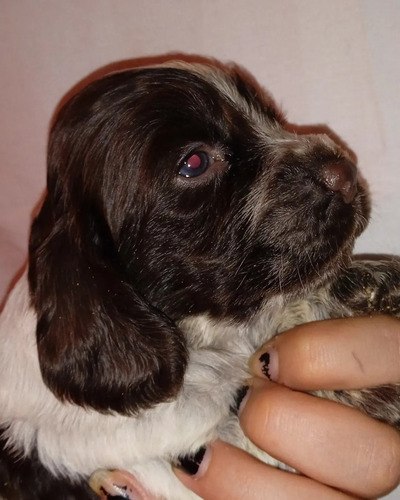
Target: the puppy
(183, 226)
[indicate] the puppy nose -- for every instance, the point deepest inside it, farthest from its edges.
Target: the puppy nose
(341, 177)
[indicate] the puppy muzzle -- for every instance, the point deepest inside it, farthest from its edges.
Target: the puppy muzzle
(340, 177)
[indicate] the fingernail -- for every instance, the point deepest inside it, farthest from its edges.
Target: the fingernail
(109, 486)
(269, 364)
(195, 465)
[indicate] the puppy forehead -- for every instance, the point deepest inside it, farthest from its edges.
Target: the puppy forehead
(219, 79)
(240, 92)
(215, 76)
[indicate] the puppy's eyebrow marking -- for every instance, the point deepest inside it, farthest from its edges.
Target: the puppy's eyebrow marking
(358, 361)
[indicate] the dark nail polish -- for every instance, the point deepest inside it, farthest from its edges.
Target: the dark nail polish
(241, 393)
(191, 463)
(264, 360)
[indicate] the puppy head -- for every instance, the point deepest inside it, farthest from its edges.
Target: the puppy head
(174, 191)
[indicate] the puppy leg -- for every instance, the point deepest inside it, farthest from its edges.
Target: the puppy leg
(369, 287)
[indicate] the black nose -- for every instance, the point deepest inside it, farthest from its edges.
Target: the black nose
(341, 177)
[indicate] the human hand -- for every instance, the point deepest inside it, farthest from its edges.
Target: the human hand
(339, 452)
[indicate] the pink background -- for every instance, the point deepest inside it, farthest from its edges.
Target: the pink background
(326, 62)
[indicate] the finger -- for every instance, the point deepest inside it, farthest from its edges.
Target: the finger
(329, 442)
(351, 353)
(117, 484)
(227, 472)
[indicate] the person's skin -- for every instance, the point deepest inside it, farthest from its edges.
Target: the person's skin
(339, 452)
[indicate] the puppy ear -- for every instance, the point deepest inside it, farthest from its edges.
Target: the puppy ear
(100, 344)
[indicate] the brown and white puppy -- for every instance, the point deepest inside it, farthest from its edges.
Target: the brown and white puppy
(183, 226)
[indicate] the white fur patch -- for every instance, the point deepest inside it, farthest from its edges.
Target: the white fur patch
(76, 441)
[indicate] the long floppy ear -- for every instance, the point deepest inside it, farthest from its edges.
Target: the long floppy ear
(99, 343)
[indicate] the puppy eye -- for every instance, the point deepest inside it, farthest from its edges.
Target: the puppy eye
(195, 165)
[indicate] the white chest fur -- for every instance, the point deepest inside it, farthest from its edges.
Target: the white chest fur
(76, 441)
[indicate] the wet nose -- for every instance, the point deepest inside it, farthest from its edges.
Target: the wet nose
(341, 177)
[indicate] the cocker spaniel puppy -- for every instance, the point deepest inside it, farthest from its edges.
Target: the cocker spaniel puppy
(183, 226)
